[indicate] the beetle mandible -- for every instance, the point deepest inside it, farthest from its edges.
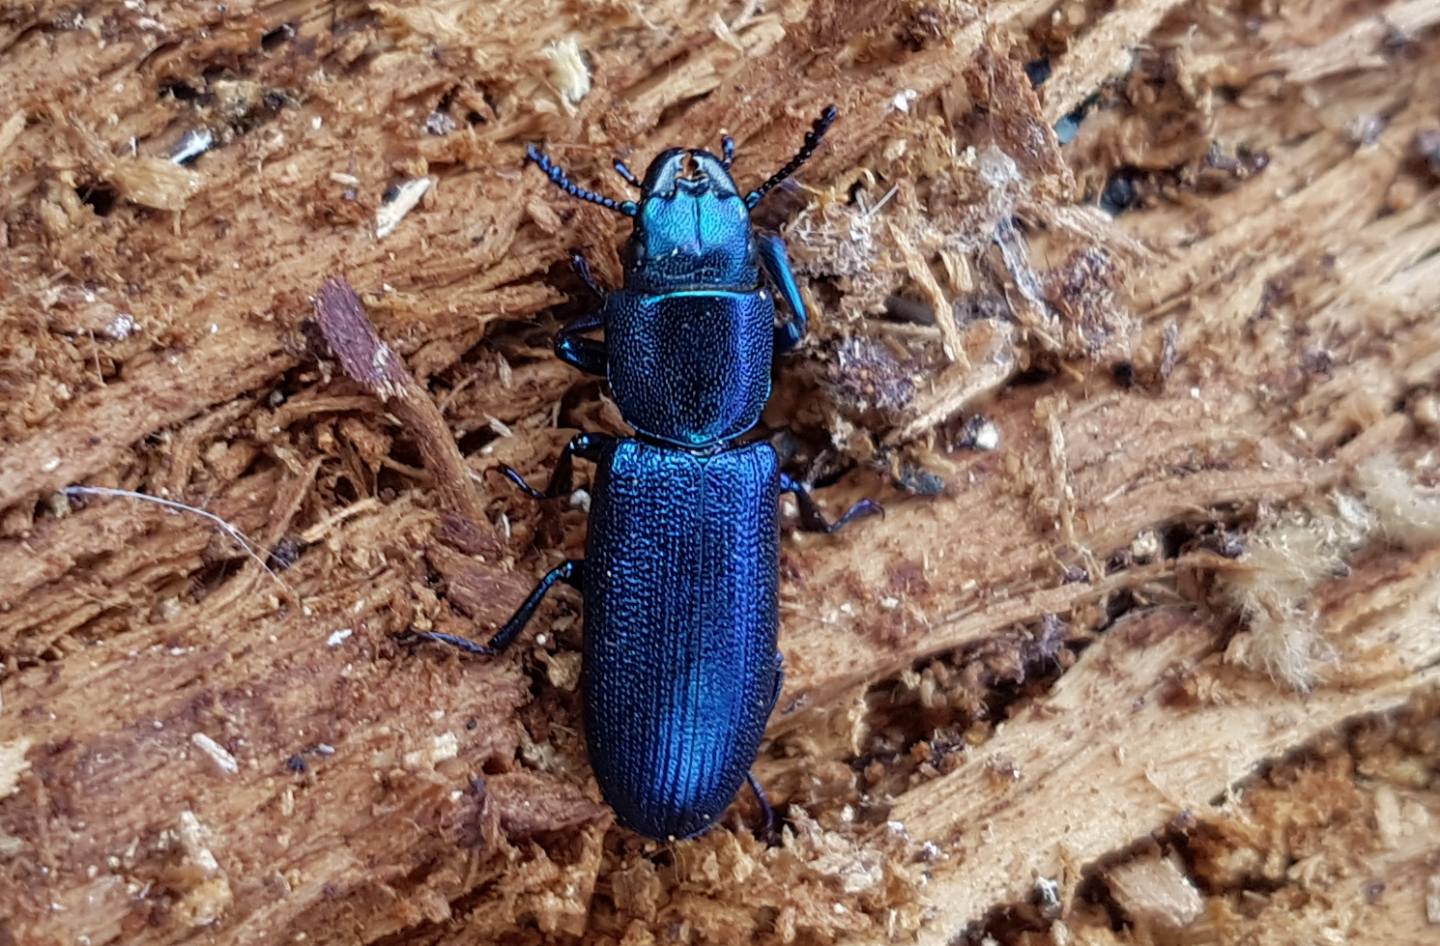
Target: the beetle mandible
(680, 669)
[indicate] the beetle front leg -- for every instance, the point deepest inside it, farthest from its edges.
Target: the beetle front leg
(571, 345)
(585, 446)
(582, 269)
(571, 572)
(812, 519)
(573, 348)
(777, 267)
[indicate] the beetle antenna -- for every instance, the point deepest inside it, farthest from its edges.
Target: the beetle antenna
(559, 179)
(624, 172)
(812, 141)
(727, 151)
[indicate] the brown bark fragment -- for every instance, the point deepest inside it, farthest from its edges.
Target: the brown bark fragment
(341, 320)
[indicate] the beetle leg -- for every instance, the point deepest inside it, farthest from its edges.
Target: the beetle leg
(585, 446)
(766, 829)
(586, 354)
(812, 519)
(777, 267)
(582, 269)
(573, 348)
(626, 173)
(469, 646)
(571, 572)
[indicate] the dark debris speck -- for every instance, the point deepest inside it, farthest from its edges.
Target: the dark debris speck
(919, 481)
(286, 553)
(1120, 193)
(278, 36)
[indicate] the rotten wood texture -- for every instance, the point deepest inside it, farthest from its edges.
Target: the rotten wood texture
(1336, 846)
(1125, 311)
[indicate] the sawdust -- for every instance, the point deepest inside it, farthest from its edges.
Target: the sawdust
(1286, 559)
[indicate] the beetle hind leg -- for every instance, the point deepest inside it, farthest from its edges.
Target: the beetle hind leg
(779, 680)
(813, 520)
(765, 830)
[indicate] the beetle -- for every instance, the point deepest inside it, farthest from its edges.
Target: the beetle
(680, 668)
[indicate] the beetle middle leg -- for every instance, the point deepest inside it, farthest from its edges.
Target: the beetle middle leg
(571, 572)
(812, 519)
(582, 445)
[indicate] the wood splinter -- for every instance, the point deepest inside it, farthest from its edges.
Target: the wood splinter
(367, 360)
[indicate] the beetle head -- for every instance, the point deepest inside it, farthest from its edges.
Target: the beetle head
(692, 227)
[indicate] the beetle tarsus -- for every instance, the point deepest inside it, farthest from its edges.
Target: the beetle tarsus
(513, 475)
(813, 520)
(460, 643)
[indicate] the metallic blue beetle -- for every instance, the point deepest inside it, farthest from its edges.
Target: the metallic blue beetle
(680, 668)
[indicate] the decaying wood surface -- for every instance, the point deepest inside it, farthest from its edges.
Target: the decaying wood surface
(1144, 650)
